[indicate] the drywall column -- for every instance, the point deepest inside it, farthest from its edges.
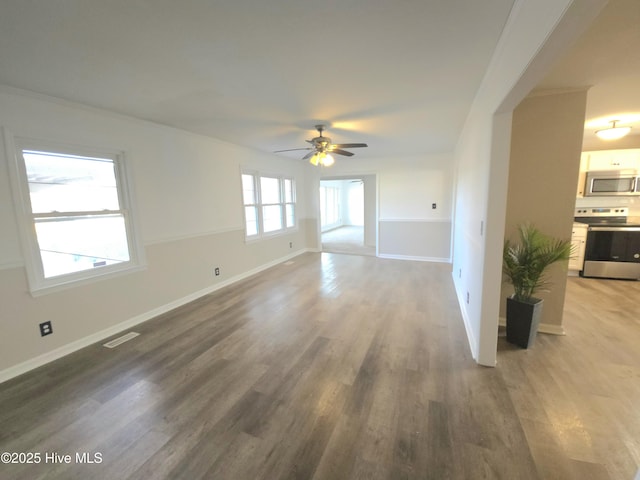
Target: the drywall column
(546, 142)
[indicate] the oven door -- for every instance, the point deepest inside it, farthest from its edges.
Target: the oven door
(612, 252)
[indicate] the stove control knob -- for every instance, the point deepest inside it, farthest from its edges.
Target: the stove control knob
(637, 255)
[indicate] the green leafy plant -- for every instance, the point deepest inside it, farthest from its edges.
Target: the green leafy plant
(524, 263)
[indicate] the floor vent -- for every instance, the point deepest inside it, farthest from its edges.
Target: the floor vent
(120, 340)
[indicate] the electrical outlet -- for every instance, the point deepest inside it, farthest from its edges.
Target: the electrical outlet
(290, 244)
(433, 206)
(46, 328)
(217, 271)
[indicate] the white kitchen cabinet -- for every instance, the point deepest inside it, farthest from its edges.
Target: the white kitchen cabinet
(612, 159)
(578, 243)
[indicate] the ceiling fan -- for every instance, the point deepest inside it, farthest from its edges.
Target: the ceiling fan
(322, 148)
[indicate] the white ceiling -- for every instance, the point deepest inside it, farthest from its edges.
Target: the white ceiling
(606, 59)
(399, 75)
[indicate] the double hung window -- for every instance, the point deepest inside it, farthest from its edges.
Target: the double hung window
(75, 213)
(329, 207)
(269, 204)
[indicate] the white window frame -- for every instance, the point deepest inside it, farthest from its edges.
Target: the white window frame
(38, 283)
(259, 205)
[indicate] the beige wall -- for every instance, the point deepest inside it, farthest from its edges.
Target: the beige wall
(415, 240)
(546, 144)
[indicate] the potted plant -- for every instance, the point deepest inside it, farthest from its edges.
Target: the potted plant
(524, 265)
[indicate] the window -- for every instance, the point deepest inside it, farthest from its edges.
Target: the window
(269, 204)
(329, 207)
(75, 213)
(289, 203)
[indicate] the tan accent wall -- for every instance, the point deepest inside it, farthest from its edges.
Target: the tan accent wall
(546, 143)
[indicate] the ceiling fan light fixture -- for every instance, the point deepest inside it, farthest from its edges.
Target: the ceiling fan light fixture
(321, 146)
(327, 160)
(321, 158)
(613, 132)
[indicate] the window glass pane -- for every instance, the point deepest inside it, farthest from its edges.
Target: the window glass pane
(270, 190)
(329, 206)
(288, 190)
(63, 183)
(272, 218)
(73, 244)
(248, 189)
(291, 219)
(251, 219)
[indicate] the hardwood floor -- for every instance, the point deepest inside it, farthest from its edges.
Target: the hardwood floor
(578, 394)
(336, 367)
(347, 239)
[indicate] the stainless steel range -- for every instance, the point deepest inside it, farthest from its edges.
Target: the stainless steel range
(613, 243)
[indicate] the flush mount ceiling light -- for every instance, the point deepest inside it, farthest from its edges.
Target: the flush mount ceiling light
(613, 132)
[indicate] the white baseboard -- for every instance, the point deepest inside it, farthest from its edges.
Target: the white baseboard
(60, 352)
(418, 259)
(542, 328)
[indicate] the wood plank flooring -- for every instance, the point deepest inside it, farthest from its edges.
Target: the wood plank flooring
(336, 367)
(347, 239)
(578, 395)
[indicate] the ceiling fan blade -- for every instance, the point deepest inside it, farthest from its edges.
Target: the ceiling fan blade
(341, 152)
(293, 150)
(350, 145)
(309, 155)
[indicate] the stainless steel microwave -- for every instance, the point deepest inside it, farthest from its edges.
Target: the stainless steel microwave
(610, 183)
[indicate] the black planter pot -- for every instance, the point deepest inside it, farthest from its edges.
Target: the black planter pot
(523, 319)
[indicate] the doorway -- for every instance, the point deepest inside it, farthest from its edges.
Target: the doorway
(345, 215)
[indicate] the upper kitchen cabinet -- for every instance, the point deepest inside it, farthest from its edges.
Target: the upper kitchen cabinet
(610, 160)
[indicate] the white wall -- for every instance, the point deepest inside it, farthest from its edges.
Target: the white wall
(408, 227)
(536, 35)
(370, 196)
(190, 219)
(354, 202)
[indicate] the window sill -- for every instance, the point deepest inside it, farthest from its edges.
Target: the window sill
(268, 236)
(66, 283)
